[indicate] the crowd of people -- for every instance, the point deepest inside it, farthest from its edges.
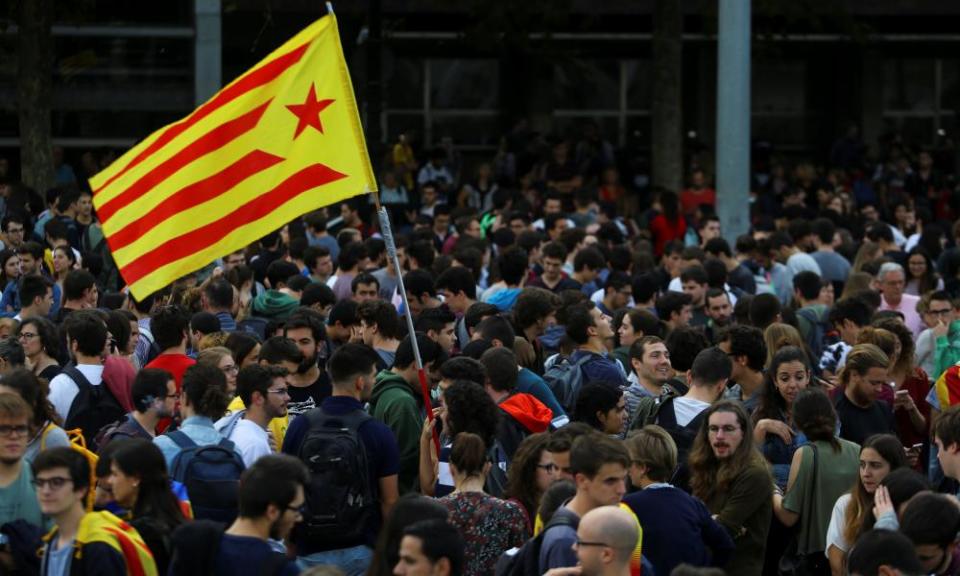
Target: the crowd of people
(608, 386)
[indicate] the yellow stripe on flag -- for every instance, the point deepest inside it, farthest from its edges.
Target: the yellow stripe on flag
(279, 141)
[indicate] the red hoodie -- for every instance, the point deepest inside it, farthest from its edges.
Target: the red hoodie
(531, 413)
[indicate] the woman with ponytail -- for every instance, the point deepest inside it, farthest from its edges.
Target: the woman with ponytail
(821, 471)
(490, 526)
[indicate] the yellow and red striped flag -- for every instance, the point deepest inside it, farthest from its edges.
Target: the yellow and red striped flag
(279, 141)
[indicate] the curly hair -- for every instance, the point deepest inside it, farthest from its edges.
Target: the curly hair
(522, 475)
(772, 403)
(34, 392)
(470, 409)
(905, 360)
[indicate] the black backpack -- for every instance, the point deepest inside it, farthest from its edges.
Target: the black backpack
(496, 483)
(340, 498)
(525, 560)
(683, 437)
(211, 475)
(111, 431)
(93, 408)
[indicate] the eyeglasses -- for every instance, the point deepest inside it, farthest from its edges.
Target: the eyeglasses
(581, 543)
(230, 369)
(280, 392)
(55, 483)
(26, 336)
(14, 431)
(300, 510)
(550, 468)
(945, 312)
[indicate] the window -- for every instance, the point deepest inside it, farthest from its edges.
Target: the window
(615, 94)
(779, 103)
(439, 98)
(920, 97)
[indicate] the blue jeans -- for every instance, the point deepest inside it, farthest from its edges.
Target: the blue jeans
(352, 561)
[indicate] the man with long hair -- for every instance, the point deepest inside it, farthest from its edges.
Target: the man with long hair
(731, 477)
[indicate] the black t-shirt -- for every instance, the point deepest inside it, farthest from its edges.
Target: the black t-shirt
(857, 424)
(304, 399)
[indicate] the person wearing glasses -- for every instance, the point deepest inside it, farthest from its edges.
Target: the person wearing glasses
(731, 477)
(154, 395)
(263, 391)
(599, 465)
(18, 499)
(81, 542)
(41, 345)
(13, 225)
(606, 540)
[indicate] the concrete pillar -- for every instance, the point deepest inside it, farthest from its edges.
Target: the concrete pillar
(733, 118)
(207, 74)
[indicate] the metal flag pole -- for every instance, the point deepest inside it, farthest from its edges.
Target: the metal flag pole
(391, 246)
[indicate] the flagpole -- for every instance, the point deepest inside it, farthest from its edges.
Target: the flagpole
(391, 246)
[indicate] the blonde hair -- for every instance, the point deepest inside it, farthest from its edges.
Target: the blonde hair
(654, 448)
(213, 339)
(778, 335)
(866, 254)
(213, 355)
(857, 282)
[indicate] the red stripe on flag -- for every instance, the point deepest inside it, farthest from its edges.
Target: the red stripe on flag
(259, 77)
(199, 238)
(131, 555)
(194, 195)
(212, 140)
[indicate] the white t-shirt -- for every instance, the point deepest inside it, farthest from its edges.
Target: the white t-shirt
(686, 409)
(63, 389)
(835, 530)
(251, 440)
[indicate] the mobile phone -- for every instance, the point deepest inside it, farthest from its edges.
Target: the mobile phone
(917, 447)
(902, 393)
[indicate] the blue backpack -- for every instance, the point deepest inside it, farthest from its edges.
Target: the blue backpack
(211, 475)
(565, 378)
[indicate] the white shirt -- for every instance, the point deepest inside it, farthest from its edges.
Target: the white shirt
(835, 530)
(686, 409)
(251, 440)
(63, 390)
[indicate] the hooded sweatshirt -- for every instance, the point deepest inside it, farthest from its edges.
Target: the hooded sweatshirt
(274, 304)
(396, 403)
(525, 416)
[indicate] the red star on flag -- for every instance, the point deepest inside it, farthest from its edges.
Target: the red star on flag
(308, 113)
